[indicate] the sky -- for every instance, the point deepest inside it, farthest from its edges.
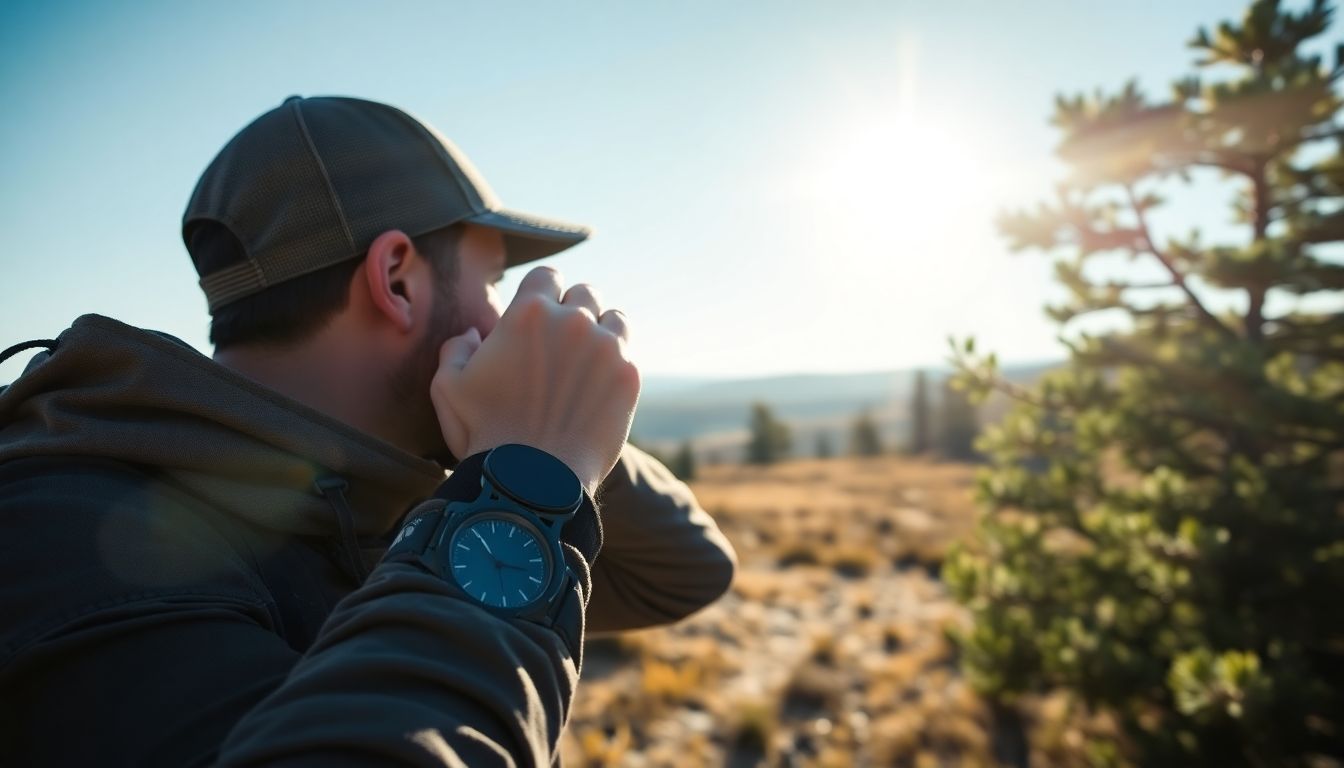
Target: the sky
(777, 187)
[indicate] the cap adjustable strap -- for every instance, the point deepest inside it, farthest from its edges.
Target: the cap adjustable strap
(232, 282)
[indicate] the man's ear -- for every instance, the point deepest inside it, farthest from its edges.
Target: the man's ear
(393, 280)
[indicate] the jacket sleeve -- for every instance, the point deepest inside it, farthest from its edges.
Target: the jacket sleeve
(663, 558)
(132, 637)
(407, 673)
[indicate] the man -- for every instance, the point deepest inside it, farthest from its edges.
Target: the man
(257, 559)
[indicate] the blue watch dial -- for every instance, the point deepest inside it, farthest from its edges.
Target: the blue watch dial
(500, 560)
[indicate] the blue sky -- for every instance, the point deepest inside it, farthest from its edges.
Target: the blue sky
(776, 187)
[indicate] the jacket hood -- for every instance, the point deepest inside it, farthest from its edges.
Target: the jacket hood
(109, 390)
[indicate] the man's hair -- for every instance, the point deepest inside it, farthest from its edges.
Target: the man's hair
(295, 310)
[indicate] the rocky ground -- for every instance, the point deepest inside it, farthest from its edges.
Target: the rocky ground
(831, 648)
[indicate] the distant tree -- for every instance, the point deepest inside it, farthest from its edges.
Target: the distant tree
(864, 439)
(958, 424)
(640, 444)
(1178, 560)
(683, 462)
(921, 417)
(824, 449)
(770, 438)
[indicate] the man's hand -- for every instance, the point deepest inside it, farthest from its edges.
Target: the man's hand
(553, 375)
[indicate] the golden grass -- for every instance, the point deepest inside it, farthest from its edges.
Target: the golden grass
(831, 648)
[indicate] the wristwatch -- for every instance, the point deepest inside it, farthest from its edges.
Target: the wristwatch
(502, 550)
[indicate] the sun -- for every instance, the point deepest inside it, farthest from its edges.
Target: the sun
(901, 177)
(900, 205)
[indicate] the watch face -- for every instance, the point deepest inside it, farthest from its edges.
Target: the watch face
(500, 560)
(533, 478)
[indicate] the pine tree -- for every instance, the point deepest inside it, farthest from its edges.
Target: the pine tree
(824, 449)
(921, 432)
(1164, 536)
(653, 452)
(683, 462)
(958, 424)
(864, 438)
(770, 438)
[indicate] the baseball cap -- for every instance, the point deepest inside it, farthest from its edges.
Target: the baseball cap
(314, 181)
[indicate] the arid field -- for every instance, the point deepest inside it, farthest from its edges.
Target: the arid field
(831, 648)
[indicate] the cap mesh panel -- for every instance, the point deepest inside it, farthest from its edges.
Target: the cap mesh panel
(267, 188)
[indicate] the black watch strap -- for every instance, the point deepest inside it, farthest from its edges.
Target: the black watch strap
(422, 523)
(581, 538)
(566, 619)
(566, 616)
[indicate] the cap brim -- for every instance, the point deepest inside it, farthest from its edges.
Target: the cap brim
(528, 238)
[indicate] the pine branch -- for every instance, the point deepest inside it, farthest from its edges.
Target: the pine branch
(1326, 132)
(1221, 162)
(1279, 433)
(992, 381)
(1255, 316)
(1018, 393)
(1177, 277)
(1137, 286)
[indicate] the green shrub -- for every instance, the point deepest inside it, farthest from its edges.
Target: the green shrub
(1164, 535)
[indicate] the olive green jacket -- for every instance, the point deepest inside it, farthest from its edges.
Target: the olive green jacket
(175, 590)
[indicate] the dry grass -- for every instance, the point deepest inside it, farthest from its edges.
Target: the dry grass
(830, 649)
(847, 512)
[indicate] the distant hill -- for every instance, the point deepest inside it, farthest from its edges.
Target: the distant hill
(713, 412)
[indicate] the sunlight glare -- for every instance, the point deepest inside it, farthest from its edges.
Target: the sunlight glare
(903, 200)
(902, 178)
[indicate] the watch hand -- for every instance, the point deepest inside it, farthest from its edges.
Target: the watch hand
(483, 541)
(511, 566)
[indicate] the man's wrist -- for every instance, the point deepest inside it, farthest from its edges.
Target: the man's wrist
(464, 482)
(579, 462)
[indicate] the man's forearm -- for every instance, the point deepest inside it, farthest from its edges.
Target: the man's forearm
(663, 557)
(407, 669)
